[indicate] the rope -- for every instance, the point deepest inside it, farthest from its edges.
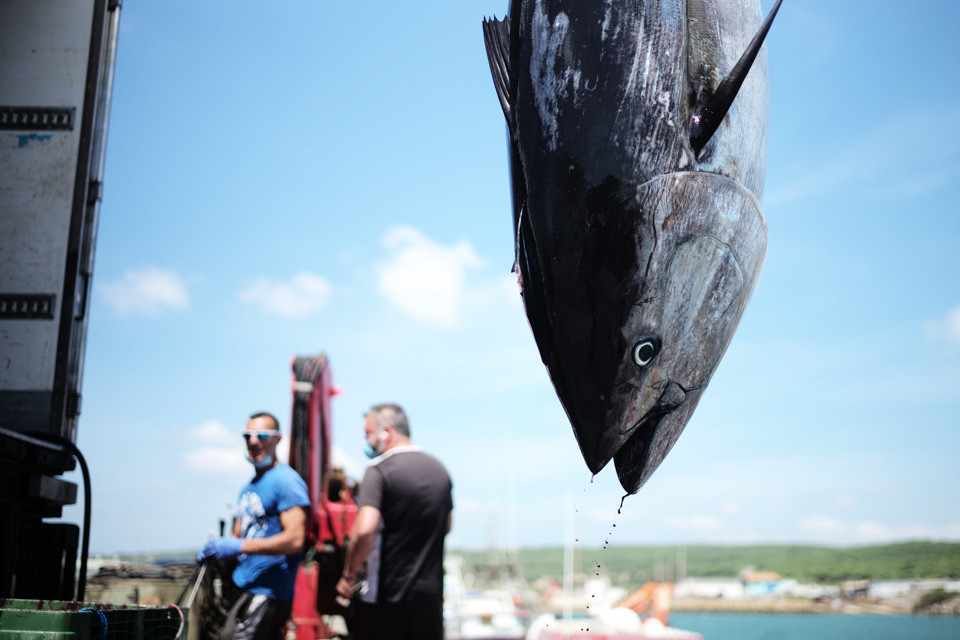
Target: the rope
(103, 621)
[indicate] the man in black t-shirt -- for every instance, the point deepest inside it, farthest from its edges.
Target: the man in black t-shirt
(405, 511)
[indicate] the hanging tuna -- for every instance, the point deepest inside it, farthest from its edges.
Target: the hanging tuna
(637, 139)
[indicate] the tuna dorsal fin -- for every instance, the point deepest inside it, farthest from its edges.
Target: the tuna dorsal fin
(496, 37)
(708, 116)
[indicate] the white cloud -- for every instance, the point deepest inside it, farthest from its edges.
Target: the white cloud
(822, 525)
(216, 460)
(302, 296)
(507, 288)
(730, 508)
(946, 328)
(875, 532)
(845, 501)
(470, 505)
(695, 522)
(827, 529)
(425, 280)
(214, 432)
(148, 290)
(219, 450)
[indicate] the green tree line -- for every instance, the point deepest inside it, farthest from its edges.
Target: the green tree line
(634, 565)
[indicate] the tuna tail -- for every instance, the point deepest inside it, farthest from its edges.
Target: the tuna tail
(708, 116)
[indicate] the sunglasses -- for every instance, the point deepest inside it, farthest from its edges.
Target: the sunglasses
(263, 436)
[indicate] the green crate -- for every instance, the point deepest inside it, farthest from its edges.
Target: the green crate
(59, 620)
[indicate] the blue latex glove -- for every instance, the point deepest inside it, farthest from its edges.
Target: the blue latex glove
(219, 548)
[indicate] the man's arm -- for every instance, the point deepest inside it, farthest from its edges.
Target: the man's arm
(289, 540)
(362, 536)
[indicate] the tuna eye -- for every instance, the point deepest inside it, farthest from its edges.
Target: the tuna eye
(644, 352)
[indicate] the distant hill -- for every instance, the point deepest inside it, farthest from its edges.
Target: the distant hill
(808, 564)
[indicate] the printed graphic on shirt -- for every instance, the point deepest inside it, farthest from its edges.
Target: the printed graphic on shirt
(253, 517)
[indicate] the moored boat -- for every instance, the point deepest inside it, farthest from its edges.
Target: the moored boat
(617, 623)
(490, 613)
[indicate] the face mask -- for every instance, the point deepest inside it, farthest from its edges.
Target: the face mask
(266, 462)
(372, 452)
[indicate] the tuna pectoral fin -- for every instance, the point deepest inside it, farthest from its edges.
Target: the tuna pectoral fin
(496, 37)
(708, 116)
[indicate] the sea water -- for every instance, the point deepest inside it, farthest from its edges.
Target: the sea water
(778, 626)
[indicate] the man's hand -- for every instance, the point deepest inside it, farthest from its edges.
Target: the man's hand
(347, 586)
(219, 548)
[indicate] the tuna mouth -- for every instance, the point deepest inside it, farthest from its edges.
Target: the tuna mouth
(633, 459)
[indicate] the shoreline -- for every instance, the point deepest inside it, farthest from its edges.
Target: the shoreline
(897, 606)
(157, 590)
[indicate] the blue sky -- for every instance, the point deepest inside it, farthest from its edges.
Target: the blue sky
(332, 177)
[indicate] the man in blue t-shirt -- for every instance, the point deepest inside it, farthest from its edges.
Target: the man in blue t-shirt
(269, 530)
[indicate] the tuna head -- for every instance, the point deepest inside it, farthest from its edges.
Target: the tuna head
(631, 345)
(699, 270)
